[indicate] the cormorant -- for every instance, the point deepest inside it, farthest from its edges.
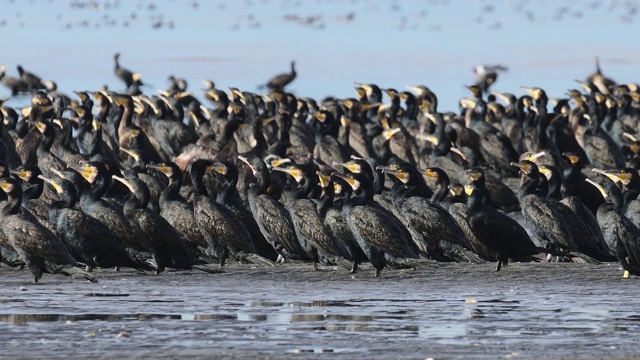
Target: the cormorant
(175, 209)
(217, 223)
(272, 217)
(622, 236)
(503, 236)
(91, 242)
(278, 82)
(540, 213)
(123, 74)
(16, 85)
(34, 243)
(163, 241)
(33, 81)
(308, 223)
(229, 196)
(334, 194)
(377, 231)
(425, 216)
(108, 213)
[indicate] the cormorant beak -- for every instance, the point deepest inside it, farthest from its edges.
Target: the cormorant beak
(389, 133)
(584, 85)
(87, 171)
(124, 181)
(159, 167)
(355, 184)
(415, 89)
(220, 168)
(630, 136)
(525, 168)
(182, 95)
(473, 174)
(468, 189)
(22, 174)
(430, 138)
(430, 174)
(598, 186)
(456, 190)
(430, 117)
(279, 162)
(533, 156)
(459, 152)
(345, 121)
(58, 173)
(6, 186)
(135, 156)
(246, 161)
(534, 92)
(545, 171)
(395, 172)
(55, 185)
(296, 173)
(608, 174)
(468, 103)
(349, 165)
(324, 179)
(502, 96)
(573, 158)
(212, 94)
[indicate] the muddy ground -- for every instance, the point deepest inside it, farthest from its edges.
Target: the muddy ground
(533, 310)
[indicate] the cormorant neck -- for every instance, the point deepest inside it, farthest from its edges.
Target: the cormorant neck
(172, 191)
(442, 189)
(34, 190)
(12, 203)
(529, 185)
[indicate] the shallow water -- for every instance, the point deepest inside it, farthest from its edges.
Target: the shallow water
(435, 310)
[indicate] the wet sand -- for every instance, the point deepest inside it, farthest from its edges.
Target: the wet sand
(436, 310)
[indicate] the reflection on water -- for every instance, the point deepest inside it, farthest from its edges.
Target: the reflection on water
(24, 319)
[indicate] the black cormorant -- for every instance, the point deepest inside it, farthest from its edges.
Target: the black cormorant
(90, 241)
(175, 209)
(217, 223)
(622, 236)
(278, 82)
(272, 217)
(34, 243)
(503, 236)
(164, 242)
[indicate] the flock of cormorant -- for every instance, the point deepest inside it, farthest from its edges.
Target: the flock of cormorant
(156, 181)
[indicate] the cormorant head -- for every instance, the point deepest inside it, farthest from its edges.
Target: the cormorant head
(353, 166)
(10, 186)
(527, 167)
(573, 158)
(535, 92)
(627, 176)
(456, 189)
(397, 171)
(296, 171)
(89, 170)
(531, 156)
(436, 174)
(324, 179)
(549, 171)
(348, 179)
(169, 169)
(475, 173)
(26, 172)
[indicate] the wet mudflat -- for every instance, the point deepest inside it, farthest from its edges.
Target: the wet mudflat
(432, 311)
